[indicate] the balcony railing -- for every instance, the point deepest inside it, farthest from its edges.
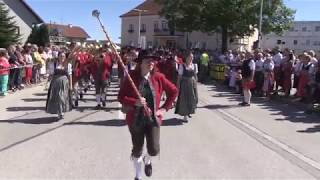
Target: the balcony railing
(143, 30)
(167, 32)
(130, 30)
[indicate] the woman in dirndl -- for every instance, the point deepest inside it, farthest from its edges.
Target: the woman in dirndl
(307, 73)
(287, 71)
(59, 94)
(187, 84)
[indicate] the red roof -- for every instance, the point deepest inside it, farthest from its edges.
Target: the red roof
(151, 6)
(69, 30)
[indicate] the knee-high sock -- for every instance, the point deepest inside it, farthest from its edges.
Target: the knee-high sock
(98, 98)
(103, 96)
(137, 162)
(147, 159)
(247, 95)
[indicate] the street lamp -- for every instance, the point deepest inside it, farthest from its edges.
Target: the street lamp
(139, 34)
(260, 25)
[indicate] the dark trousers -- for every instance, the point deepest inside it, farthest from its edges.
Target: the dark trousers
(152, 134)
(203, 73)
(36, 74)
(13, 78)
(18, 79)
(101, 86)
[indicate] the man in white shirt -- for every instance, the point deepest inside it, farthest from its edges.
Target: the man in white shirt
(277, 59)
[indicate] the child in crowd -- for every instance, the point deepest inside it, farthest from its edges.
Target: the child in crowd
(4, 72)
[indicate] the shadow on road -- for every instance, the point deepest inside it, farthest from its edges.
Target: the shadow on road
(40, 94)
(113, 122)
(92, 108)
(219, 106)
(290, 112)
(172, 122)
(43, 120)
(311, 130)
(26, 108)
(94, 100)
(34, 99)
(121, 122)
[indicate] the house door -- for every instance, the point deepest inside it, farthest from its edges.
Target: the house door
(171, 43)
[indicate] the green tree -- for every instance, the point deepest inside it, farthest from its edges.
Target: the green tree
(9, 33)
(231, 18)
(39, 35)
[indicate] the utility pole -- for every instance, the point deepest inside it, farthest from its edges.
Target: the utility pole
(260, 25)
(139, 24)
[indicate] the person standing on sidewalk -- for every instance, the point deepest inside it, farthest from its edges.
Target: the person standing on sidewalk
(248, 69)
(142, 124)
(287, 71)
(4, 72)
(204, 67)
(268, 83)
(37, 59)
(259, 75)
(13, 60)
(307, 73)
(187, 85)
(20, 71)
(29, 63)
(277, 59)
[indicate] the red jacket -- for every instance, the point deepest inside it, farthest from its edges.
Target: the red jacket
(107, 68)
(4, 65)
(159, 83)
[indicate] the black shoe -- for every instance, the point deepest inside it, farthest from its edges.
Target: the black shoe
(85, 90)
(137, 179)
(244, 104)
(104, 103)
(60, 117)
(76, 103)
(98, 106)
(81, 96)
(147, 168)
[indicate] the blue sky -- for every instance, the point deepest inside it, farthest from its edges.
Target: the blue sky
(78, 12)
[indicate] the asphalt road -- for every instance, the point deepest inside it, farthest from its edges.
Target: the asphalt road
(222, 141)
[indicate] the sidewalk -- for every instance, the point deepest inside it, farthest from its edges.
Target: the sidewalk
(292, 101)
(285, 122)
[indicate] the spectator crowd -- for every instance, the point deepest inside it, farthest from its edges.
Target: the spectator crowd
(24, 66)
(276, 73)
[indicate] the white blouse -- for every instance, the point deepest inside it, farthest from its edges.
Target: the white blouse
(190, 67)
(259, 65)
(28, 59)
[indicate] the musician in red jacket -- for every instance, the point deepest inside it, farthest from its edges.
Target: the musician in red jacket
(151, 85)
(100, 69)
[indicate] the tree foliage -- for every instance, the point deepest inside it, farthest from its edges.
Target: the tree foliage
(39, 35)
(9, 31)
(231, 18)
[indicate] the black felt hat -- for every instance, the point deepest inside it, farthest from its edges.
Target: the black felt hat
(144, 54)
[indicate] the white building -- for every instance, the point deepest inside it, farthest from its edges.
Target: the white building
(304, 35)
(23, 15)
(154, 31)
